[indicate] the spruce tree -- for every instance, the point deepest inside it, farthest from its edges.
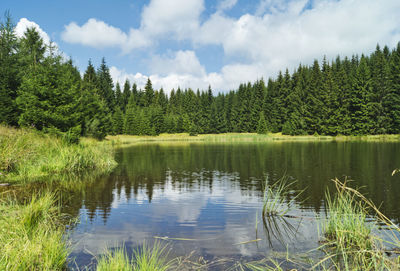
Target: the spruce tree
(360, 98)
(125, 95)
(262, 124)
(118, 121)
(391, 101)
(118, 97)
(105, 85)
(9, 73)
(148, 94)
(48, 95)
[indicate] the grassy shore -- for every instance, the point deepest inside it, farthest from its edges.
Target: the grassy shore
(31, 236)
(28, 155)
(245, 137)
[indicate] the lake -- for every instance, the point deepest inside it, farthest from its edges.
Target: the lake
(205, 199)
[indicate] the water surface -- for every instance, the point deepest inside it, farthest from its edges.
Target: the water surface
(211, 195)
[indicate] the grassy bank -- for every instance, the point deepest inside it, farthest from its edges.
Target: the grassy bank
(28, 155)
(30, 236)
(245, 137)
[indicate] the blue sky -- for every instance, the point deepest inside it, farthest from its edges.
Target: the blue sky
(194, 43)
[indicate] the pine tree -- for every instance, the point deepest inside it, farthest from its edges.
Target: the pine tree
(343, 78)
(329, 91)
(148, 94)
(48, 95)
(126, 94)
(360, 98)
(32, 48)
(118, 121)
(257, 99)
(118, 97)
(262, 124)
(105, 85)
(381, 85)
(9, 71)
(157, 119)
(313, 101)
(130, 121)
(391, 102)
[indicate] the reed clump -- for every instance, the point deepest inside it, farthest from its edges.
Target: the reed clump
(144, 259)
(28, 155)
(351, 243)
(31, 237)
(279, 197)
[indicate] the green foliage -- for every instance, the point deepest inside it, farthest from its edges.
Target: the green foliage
(9, 72)
(262, 124)
(118, 121)
(72, 135)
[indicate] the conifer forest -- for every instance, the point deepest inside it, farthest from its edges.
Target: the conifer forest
(349, 96)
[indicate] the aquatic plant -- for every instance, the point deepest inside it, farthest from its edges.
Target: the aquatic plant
(279, 197)
(147, 258)
(350, 242)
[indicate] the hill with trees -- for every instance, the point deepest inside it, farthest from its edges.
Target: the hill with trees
(351, 96)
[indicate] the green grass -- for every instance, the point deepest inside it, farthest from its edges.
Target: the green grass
(276, 200)
(244, 137)
(30, 236)
(144, 259)
(28, 155)
(350, 241)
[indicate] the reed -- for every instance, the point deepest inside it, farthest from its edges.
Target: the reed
(147, 258)
(350, 241)
(278, 198)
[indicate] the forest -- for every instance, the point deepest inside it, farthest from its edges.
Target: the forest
(41, 89)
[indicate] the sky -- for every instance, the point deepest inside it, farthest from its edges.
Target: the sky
(197, 43)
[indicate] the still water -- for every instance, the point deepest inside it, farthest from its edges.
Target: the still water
(206, 199)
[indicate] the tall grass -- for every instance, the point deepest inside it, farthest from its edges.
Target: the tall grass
(30, 236)
(144, 259)
(277, 200)
(28, 155)
(350, 241)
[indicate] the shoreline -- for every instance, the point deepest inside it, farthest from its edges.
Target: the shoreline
(246, 137)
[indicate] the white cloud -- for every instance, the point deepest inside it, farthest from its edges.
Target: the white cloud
(226, 4)
(98, 34)
(179, 17)
(289, 34)
(182, 62)
(121, 76)
(281, 34)
(24, 24)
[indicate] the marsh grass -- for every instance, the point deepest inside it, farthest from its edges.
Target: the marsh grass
(28, 155)
(279, 197)
(350, 241)
(147, 258)
(30, 236)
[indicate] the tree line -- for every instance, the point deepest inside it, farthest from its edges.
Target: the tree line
(351, 96)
